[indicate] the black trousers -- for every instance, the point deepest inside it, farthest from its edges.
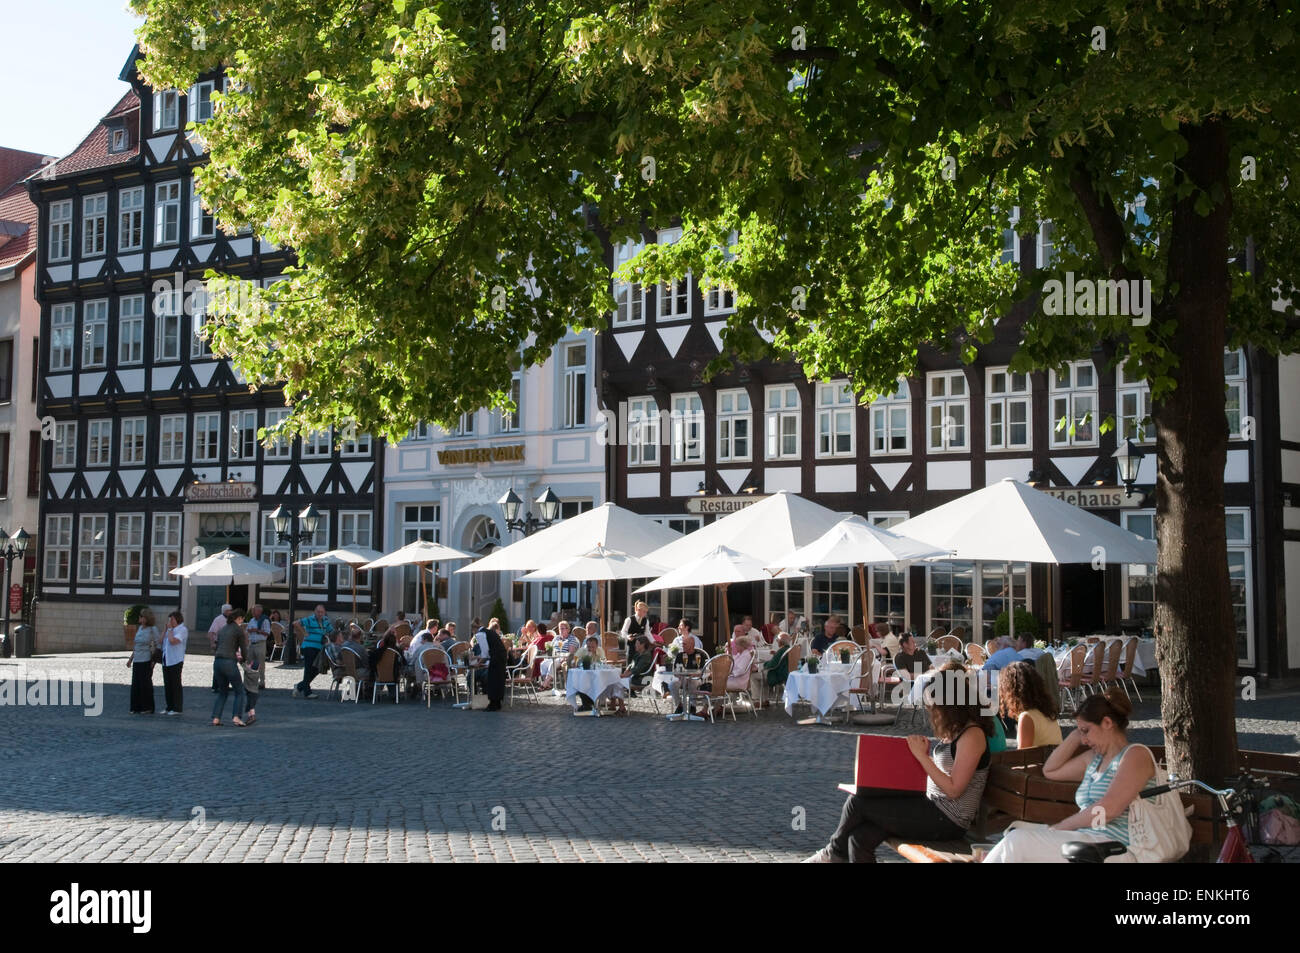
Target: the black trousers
(142, 687)
(867, 822)
(172, 687)
(496, 681)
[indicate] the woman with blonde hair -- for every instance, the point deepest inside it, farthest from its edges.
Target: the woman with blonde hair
(1023, 697)
(147, 641)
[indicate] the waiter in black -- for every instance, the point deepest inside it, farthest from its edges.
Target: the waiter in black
(638, 623)
(496, 673)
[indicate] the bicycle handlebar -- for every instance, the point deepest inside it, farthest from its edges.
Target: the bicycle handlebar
(1176, 785)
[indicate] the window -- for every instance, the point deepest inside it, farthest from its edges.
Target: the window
(575, 386)
(65, 445)
(888, 586)
(510, 418)
(58, 548)
(421, 431)
(171, 439)
(1011, 240)
(6, 370)
(165, 554)
(629, 297)
(465, 425)
(316, 575)
(719, 299)
(830, 596)
(952, 591)
(1007, 409)
(99, 443)
(891, 421)
(279, 447)
(319, 444)
(94, 333)
(675, 295)
(128, 547)
(133, 441)
(4, 464)
(201, 222)
(1046, 252)
(642, 432)
(200, 345)
(34, 445)
(207, 437)
(94, 224)
(1234, 373)
(167, 213)
(418, 522)
(1074, 406)
(61, 230)
(166, 109)
(200, 102)
(947, 408)
(130, 330)
(1133, 401)
(996, 580)
(688, 428)
(130, 219)
(734, 422)
(785, 594)
(782, 422)
(62, 332)
(835, 419)
(243, 435)
(354, 530)
(358, 446)
(167, 325)
(92, 544)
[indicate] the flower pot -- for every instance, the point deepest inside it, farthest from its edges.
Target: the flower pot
(812, 666)
(586, 665)
(844, 656)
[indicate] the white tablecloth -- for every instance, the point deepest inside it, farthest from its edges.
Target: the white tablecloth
(823, 690)
(986, 685)
(1144, 661)
(595, 683)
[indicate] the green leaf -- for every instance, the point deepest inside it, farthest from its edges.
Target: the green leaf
(313, 76)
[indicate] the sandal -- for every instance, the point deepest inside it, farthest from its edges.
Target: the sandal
(238, 724)
(216, 722)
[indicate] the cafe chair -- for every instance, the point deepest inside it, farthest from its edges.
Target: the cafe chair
(386, 675)
(906, 680)
(299, 636)
(859, 635)
(868, 685)
(950, 643)
(1125, 674)
(337, 674)
(277, 644)
(1094, 667)
(428, 659)
(521, 676)
(403, 631)
(975, 653)
(609, 645)
(1110, 672)
(719, 669)
(350, 671)
(1074, 680)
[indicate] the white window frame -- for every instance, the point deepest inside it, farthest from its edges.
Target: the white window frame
(729, 416)
(465, 424)
(99, 442)
(165, 551)
(318, 444)
(1004, 390)
(130, 330)
(720, 298)
(884, 426)
(195, 102)
(166, 109)
(64, 452)
(60, 246)
(643, 433)
(133, 449)
(128, 540)
(63, 332)
(168, 307)
(92, 540)
(782, 422)
(167, 213)
(673, 297)
(1045, 244)
(1075, 398)
(942, 394)
(1135, 424)
(315, 575)
(687, 422)
(203, 224)
(886, 573)
(280, 448)
(629, 297)
(243, 435)
(358, 446)
(575, 388)
(207, 438)
(94, 225)
(173, 433)
(356, 528)
(200, 347)
(1235, 392)
(94, 333)
(836, 404)
(130, 219)
(58, 547)
(1010, 230)
(508, 420)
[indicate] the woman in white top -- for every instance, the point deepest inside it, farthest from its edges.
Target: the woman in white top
(173, 649)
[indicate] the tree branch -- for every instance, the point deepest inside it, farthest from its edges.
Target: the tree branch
(1104, 221)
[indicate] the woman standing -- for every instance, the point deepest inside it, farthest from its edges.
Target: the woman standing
(173, 645)
(225, 670)
(147, 640)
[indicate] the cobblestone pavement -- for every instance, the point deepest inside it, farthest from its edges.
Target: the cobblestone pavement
(315, 780)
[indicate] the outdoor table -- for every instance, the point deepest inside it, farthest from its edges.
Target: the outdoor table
(470, 671)
(988, 683)
(667, 680)
(594, 683)
(822, 690)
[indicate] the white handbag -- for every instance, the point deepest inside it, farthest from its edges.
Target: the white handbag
(1159, 832)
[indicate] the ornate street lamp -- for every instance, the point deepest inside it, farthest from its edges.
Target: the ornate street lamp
(1128, 460)
(284, 521)
(14, 548)
(511, 504)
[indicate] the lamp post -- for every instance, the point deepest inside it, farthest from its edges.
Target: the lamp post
(14, 548)
(285, 530)
(511, 503)
(1128, 460)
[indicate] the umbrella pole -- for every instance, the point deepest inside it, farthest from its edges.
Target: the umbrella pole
(600, 605)
(726, 617)
(424, 585)
(862, 588)
(354, 595)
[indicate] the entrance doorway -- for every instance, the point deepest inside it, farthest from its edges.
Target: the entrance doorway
(1083, 599)
(485, 587)
(218, 531)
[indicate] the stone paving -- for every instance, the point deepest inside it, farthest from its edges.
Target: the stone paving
(316, 780)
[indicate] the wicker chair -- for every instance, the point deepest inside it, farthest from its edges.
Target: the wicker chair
(950, 643)
(860, 635)
(990, 646)
(1074, 681)
(609, 645)
(277, 643)
(350, 671)
(1125, 673)
(521, 676)
(1110, 671)
(1092, 678)
(403, 631)
(719, 669)
(906, 680)
(959, 632)
(386, 675)
(868, 685)
(975, 653)
(430, 657)
(833, 651)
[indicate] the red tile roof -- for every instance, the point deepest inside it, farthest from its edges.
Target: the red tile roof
(93, 152)
(16, 210)
(15, 164)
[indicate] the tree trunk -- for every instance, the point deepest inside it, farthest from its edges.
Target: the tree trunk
(1195, 633)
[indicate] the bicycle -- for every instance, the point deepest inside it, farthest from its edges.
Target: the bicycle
(1237, 805)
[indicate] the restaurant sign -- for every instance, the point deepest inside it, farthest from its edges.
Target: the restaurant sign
(220, 491)
(513, 453)
(1096, 497)
(720, 505)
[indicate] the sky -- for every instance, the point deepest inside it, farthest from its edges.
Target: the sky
(59, 61)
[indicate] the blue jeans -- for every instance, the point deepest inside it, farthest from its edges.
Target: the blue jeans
(309, 670)
(225, 671)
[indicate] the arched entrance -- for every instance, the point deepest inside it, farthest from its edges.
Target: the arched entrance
(481, 538)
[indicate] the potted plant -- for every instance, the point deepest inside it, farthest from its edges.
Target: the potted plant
(845, 656)
(585, 659)
(1026, 623)
(499, 613)
(813, 662)
(131, 623)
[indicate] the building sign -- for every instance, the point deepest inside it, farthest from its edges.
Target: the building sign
(514, 453)
(196, 492)
(720, 505)
(1096, 497)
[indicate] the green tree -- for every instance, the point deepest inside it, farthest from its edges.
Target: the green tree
(431, 163)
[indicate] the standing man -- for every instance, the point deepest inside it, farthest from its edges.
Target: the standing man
(173, 649)
(318, 629)
(259, 628)
(496, 674)
(217, 625)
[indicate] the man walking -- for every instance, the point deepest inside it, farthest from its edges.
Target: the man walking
(217, 625)
(318, 629)
(259, 628)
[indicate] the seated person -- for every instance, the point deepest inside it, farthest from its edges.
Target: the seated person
(776, 669)
(742, 665)
(640, 664)
(355, 645)
(417, 643)
(1024, 698)
(737, 633)
(684, 628)
(334, 646)
(692, 658)
(957, 767)
(592, 645)
(445, 638)
(389, 641)
(1008, 651)
(542, 634)
(1110, 773)
(910, 657)
(829, 633)
(793, 623)
(1030, 653)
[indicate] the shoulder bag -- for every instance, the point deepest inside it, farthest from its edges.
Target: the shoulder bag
(1159, 832)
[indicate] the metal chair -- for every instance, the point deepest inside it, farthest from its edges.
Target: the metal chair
(975, 653)
(1125, 673)
(429, 657)
(521, 676)
(832, 653)
(386, 675)
(277, 635)
(950, 643)
(1074, 681)
(719, 669)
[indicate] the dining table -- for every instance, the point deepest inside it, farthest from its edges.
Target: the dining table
(664, 681)
(595, 683)
(822, 689)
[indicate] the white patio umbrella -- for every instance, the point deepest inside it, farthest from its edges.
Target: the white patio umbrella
(600, 565)
(348, 556)
(720, 567)
(855, 542)
(766, 531)
(419, 553)
(228, 568)
(1010, 521)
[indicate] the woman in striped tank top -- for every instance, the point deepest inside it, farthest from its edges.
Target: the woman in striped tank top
(957, 768)
(1110, 772)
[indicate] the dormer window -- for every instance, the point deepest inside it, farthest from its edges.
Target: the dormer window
(119, 140)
